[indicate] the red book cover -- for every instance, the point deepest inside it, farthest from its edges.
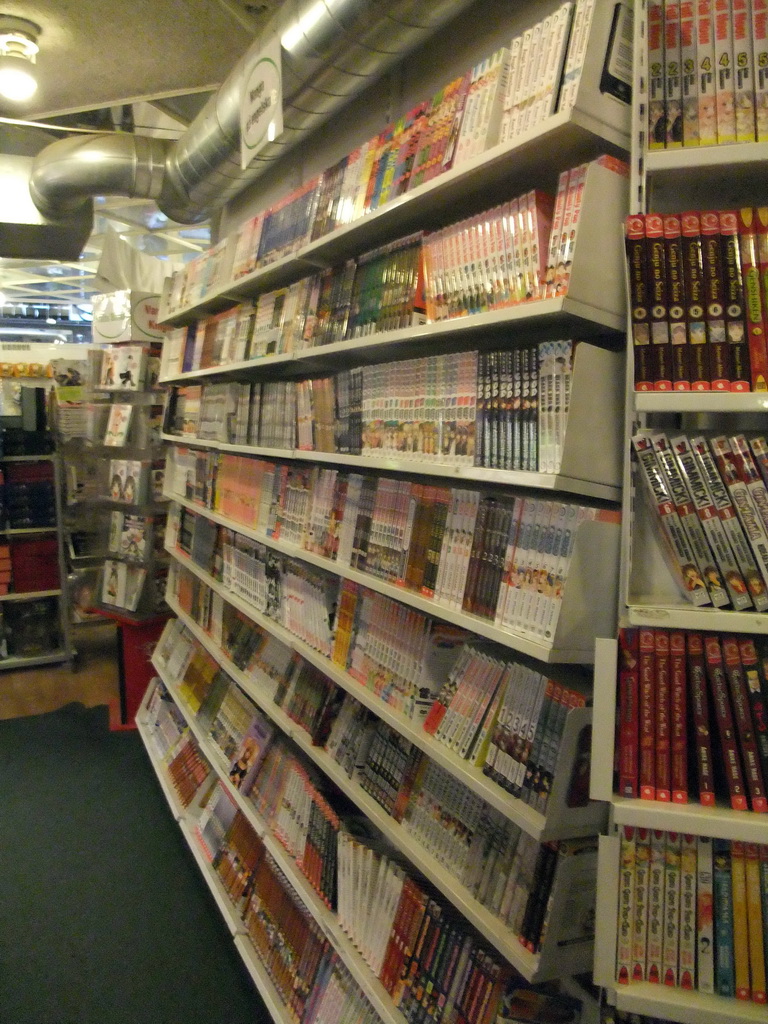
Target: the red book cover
(719, 356)
(742, 716)
(693, 273)
(718, 688)
(656, 261)
(733, 301)
(697, 678)
(678, 718)
(678, 330)
(663, 712)
(753, 301)
(628, 719)
(757, 694)
(647, 766)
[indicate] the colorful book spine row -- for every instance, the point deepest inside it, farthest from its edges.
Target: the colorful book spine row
(475, 843)
(706, 72)
(498, 715)
(709, 501)
(501, 409)
(504, 560)
(692, 721)
(512, 91)
(692, 913)
(697, 299)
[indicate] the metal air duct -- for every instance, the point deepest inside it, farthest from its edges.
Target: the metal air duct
(332, 50)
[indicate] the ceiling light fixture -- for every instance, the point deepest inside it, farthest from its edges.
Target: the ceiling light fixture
(18, 52)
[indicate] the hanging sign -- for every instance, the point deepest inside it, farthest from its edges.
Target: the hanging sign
(261, 111)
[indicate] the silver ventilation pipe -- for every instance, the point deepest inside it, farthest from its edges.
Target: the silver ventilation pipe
(332, 50)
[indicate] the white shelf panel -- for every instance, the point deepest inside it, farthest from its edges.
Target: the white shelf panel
(688, 617)
(261, 979)
(229, 370)
(27, 458)
(20, 531)
(720, 822)
(30, 661)
(374, 990)
(700, 401)
(697, 158)
(30, 595)
(555, 482)
(550, 653)
(687, 1007)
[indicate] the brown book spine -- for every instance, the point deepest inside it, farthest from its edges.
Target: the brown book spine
(634, 235)
(693, 272)
(678, 331)
(718, 688)
(719, 356)
(697, 678)
(742, 717)
(661, 347)
(733, 301)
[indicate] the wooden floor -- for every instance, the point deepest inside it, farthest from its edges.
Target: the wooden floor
(32, 691)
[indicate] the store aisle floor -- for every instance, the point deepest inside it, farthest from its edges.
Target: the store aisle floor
(104, 918)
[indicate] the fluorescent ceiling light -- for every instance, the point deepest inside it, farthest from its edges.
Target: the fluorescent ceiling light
(18, 51)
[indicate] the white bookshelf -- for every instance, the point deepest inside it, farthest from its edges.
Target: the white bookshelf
(664, 181)
(325, 918)
(559, 822)
(588, 603)
(593, 310)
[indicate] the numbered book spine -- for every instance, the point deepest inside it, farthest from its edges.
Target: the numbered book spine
(733, 301)
(724, 81)
(706, 72)
(661, 346)
(678, 331)
(673, 84)
(743, 71)
(688, 73)
(760, 57)
(634, 232)
(719, 355)
(693, 275)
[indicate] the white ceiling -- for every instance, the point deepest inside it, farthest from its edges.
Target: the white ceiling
(154, 62)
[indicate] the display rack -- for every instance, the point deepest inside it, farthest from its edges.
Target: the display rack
(592, 310)
(668, 181)
(49, 604)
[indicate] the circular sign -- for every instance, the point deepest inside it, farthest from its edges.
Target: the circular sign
(262, 95)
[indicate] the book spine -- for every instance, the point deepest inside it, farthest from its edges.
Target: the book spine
(753, 302)
(724, 717)
(719, 354)
(647, 714)
(635, 245)
(697, 677)
(678, 719)
(705, 938)
(740, 925)
(693, 279)
(661, 346)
